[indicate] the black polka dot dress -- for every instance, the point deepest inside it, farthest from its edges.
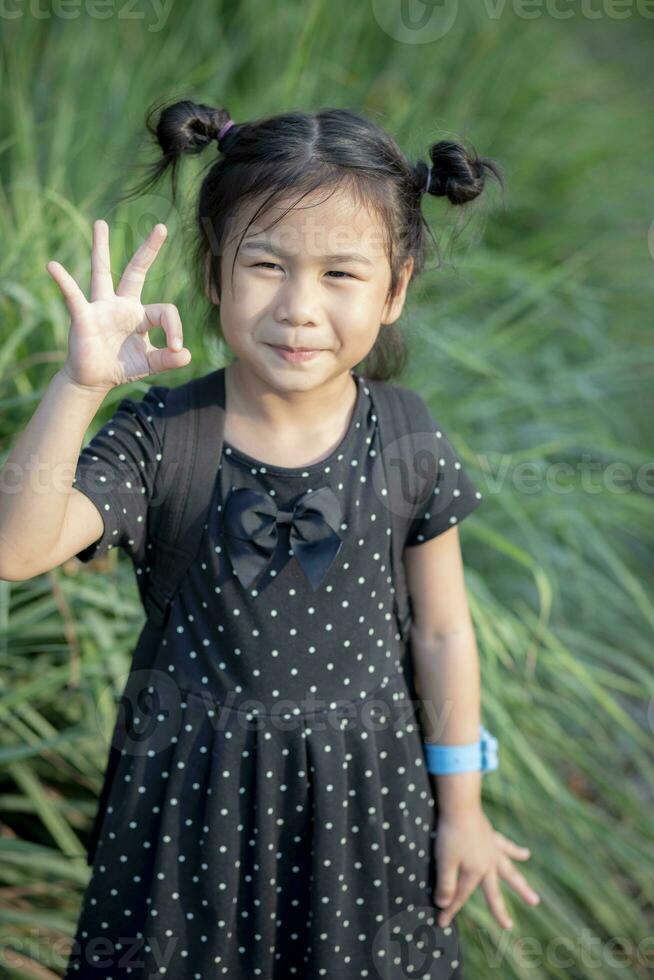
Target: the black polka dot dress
(276, 819)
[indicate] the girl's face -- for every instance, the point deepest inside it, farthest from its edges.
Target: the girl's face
(318, 279)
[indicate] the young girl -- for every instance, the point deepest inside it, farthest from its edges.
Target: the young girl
(273, 827)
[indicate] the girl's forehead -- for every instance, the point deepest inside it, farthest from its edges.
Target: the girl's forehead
(322, 223)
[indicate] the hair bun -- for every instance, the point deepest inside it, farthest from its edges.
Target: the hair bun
(455, 173)
(187, 127)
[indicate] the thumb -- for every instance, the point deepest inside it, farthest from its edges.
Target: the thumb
(446, 885)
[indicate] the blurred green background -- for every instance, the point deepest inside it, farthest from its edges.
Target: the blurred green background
(531, 340)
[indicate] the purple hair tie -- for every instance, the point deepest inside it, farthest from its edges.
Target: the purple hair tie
(224, 129)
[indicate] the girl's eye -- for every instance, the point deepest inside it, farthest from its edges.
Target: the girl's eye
(336, 272)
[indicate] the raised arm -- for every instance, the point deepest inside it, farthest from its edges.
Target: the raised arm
(43, 519)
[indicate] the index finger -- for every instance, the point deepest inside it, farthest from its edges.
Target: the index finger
(466, 885)
(132, 279)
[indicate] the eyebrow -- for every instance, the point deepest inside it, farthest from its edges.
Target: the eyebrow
(251, 246)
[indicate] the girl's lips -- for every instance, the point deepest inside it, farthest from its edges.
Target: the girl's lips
(294, 355)
(284, 347)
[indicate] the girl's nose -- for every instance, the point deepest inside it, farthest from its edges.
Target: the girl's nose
(297, 303)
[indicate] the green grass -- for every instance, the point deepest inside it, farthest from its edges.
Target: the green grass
(531, 343)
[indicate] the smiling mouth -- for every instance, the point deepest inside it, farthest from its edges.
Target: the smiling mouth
(295, 350)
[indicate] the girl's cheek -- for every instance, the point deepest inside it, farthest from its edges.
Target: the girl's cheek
(249, 301)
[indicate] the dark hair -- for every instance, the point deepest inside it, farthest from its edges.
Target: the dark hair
(302, 152)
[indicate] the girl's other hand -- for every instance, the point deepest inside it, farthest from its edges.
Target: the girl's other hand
(108, 342)
(470, 851)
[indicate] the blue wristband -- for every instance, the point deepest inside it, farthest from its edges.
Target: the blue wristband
(476, 756)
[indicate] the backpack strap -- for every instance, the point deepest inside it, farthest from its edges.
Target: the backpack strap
(406, 434)
(195, 414)
(192, 448)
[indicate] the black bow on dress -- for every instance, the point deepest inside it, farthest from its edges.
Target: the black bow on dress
(250, 520)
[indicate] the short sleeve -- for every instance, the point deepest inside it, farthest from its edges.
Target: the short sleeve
(117, 471)
(452, 496)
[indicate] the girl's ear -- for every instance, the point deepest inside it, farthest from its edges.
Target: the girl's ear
(395, 302)
(208, 284)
